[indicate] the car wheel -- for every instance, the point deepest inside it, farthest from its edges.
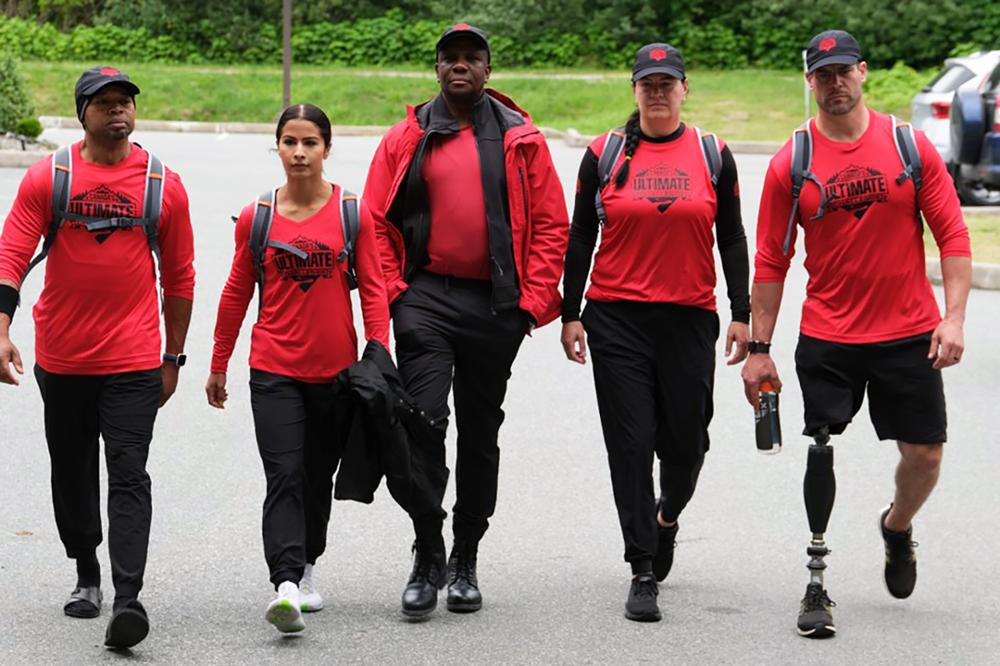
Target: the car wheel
(974, 193)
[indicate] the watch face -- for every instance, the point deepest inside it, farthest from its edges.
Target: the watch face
(181, 359)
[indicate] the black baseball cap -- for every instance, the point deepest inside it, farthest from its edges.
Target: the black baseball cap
(95, 78)
(832, 47)
(658, 58)
(466, 30)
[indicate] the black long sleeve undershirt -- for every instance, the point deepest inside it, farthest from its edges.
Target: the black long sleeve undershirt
(730, 236)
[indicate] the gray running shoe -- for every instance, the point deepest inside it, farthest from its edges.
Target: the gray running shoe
(815, 619)
(641, 604)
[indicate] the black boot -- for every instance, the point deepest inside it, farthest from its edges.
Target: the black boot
(428, 576)
(463, 586)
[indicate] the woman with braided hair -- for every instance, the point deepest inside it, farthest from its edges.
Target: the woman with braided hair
(660, 189)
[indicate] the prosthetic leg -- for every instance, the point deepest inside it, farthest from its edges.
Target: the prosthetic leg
(819, 489)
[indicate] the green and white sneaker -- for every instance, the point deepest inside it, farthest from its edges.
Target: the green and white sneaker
(284, 612)
(310, 600)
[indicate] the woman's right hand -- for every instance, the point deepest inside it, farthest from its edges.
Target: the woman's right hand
(215, 389)
(574, 342)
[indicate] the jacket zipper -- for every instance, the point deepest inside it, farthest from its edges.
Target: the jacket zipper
(524, 191)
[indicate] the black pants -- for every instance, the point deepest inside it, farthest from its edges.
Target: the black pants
(654, 366)
(298, 428)
(445, 329)
(121, 408)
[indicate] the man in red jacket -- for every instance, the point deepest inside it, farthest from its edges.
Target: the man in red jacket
(99, 363)
(870, 322)
(472, 229)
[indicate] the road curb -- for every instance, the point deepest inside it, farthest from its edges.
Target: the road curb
(570, 136)
(984, 276)
(17, 159)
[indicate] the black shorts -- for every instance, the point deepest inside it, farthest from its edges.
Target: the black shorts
(905, 393)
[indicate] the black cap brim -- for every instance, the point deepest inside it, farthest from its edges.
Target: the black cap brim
(463, 33)
(658, 69)
(98, 85)
(841, 59)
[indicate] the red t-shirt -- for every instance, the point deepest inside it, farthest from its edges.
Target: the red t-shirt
(865, 256)
(99, 310)
(657, 243)
(459, 243)
(306, 328)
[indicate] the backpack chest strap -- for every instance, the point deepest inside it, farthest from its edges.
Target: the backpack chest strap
(105, 223)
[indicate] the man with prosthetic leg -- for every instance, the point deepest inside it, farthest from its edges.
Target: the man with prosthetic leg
(861, 185)
(820, 489)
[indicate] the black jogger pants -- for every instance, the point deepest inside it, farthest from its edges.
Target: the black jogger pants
(446, 331)
(654, 366)
(120, 408)
(299, 437)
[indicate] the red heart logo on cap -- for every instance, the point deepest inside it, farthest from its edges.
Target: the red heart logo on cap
(827, 44)
(109, 71)
(657, 54)
(461, 26)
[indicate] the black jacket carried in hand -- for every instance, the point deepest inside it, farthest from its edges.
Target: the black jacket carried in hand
(385, 436)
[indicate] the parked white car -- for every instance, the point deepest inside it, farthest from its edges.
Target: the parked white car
(931, 107)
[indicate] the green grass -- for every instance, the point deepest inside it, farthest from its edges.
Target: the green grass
(984, 231)
(738, 105)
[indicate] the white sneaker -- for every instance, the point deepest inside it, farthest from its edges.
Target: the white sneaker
(310, 600)
(284, 611)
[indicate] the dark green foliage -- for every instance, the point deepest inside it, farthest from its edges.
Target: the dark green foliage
(14, 102)
(533, 33)
(894, 87)
(29, 127)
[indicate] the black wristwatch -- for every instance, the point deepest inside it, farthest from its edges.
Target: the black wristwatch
(175, 359)
(759, 347)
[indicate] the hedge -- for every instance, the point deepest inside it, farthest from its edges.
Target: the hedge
(761, 33)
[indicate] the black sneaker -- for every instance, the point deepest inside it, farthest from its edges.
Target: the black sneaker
(641, 603)
(815, 620)
(900, 560)
(128, 626)
(426, 578)
(666, 540)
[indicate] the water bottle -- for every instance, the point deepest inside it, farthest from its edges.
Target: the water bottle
(767, 425)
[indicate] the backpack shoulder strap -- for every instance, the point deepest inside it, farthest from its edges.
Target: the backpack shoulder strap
(712, 155)
(801, 171)
(614, 144)
(260, 230)
(152, 206)
(62, 178)
(909, 154)
(350, 223)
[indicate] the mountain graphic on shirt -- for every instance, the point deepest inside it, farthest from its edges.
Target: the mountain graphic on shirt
(855, 189)
(101, 203)
(662, 185)
(319, 262)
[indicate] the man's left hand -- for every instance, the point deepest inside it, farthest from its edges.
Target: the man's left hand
(170, 374)
(739, 335)
(947, 344)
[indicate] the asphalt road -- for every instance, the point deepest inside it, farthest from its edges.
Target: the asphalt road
(551, 567)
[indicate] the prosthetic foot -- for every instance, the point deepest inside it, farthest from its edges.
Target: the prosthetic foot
(819, 489)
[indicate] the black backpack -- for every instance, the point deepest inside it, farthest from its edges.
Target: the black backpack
(260, 231)
(615, 144)
(62, 177)
(802, 152)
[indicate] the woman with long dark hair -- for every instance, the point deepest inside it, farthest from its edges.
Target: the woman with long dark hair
(664, 193)
(303, 337)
